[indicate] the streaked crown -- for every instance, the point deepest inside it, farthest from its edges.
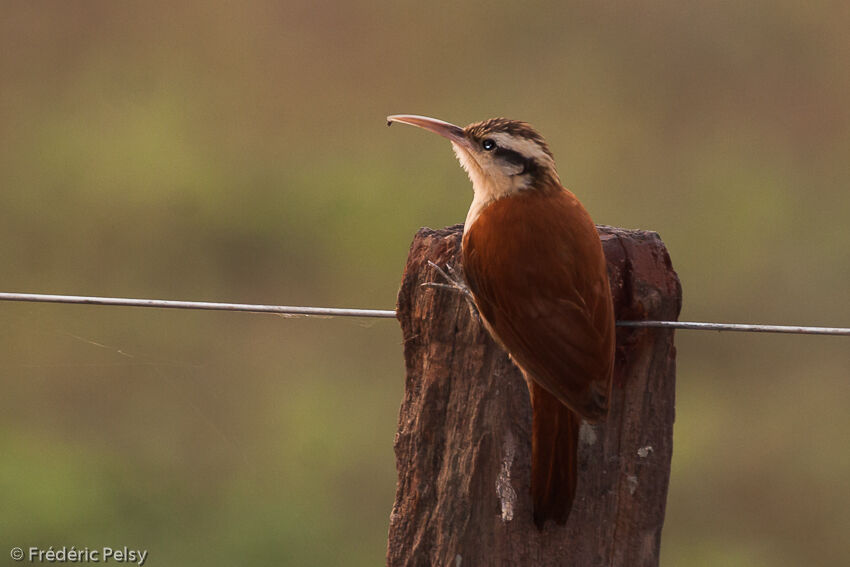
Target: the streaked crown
(510, 154)
(510, 129)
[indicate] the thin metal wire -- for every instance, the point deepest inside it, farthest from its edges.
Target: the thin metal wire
(388, 313)
(167, 304)
(739, 327)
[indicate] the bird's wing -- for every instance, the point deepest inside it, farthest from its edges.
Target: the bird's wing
(555, 317)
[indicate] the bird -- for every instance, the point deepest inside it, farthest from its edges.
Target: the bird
(533, 265)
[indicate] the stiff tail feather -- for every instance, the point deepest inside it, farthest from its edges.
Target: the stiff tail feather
(554, 460)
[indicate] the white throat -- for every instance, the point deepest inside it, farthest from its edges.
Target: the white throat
(487, 185)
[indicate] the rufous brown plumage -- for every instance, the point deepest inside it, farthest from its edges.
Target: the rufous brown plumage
(534, 265)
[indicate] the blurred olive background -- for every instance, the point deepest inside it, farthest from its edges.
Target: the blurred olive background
(238, 152)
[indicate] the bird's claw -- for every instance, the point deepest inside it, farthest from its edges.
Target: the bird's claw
(454, 282)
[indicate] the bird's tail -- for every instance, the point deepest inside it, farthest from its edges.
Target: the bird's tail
(554, 460)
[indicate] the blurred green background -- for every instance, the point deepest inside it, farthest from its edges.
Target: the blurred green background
(238, 152)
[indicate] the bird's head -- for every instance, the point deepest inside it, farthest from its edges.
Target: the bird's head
(501, 156)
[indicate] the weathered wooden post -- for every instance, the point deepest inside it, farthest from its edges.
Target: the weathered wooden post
(463, 444)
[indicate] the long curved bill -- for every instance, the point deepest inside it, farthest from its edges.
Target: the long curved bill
(444, 129)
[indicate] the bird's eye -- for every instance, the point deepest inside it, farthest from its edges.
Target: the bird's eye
(488, 144)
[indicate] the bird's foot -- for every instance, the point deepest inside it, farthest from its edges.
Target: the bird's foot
(454, 282)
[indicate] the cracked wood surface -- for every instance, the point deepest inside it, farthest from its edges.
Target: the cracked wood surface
(463, 445)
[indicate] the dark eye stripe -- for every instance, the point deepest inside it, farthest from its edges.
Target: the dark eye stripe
(511, 156)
